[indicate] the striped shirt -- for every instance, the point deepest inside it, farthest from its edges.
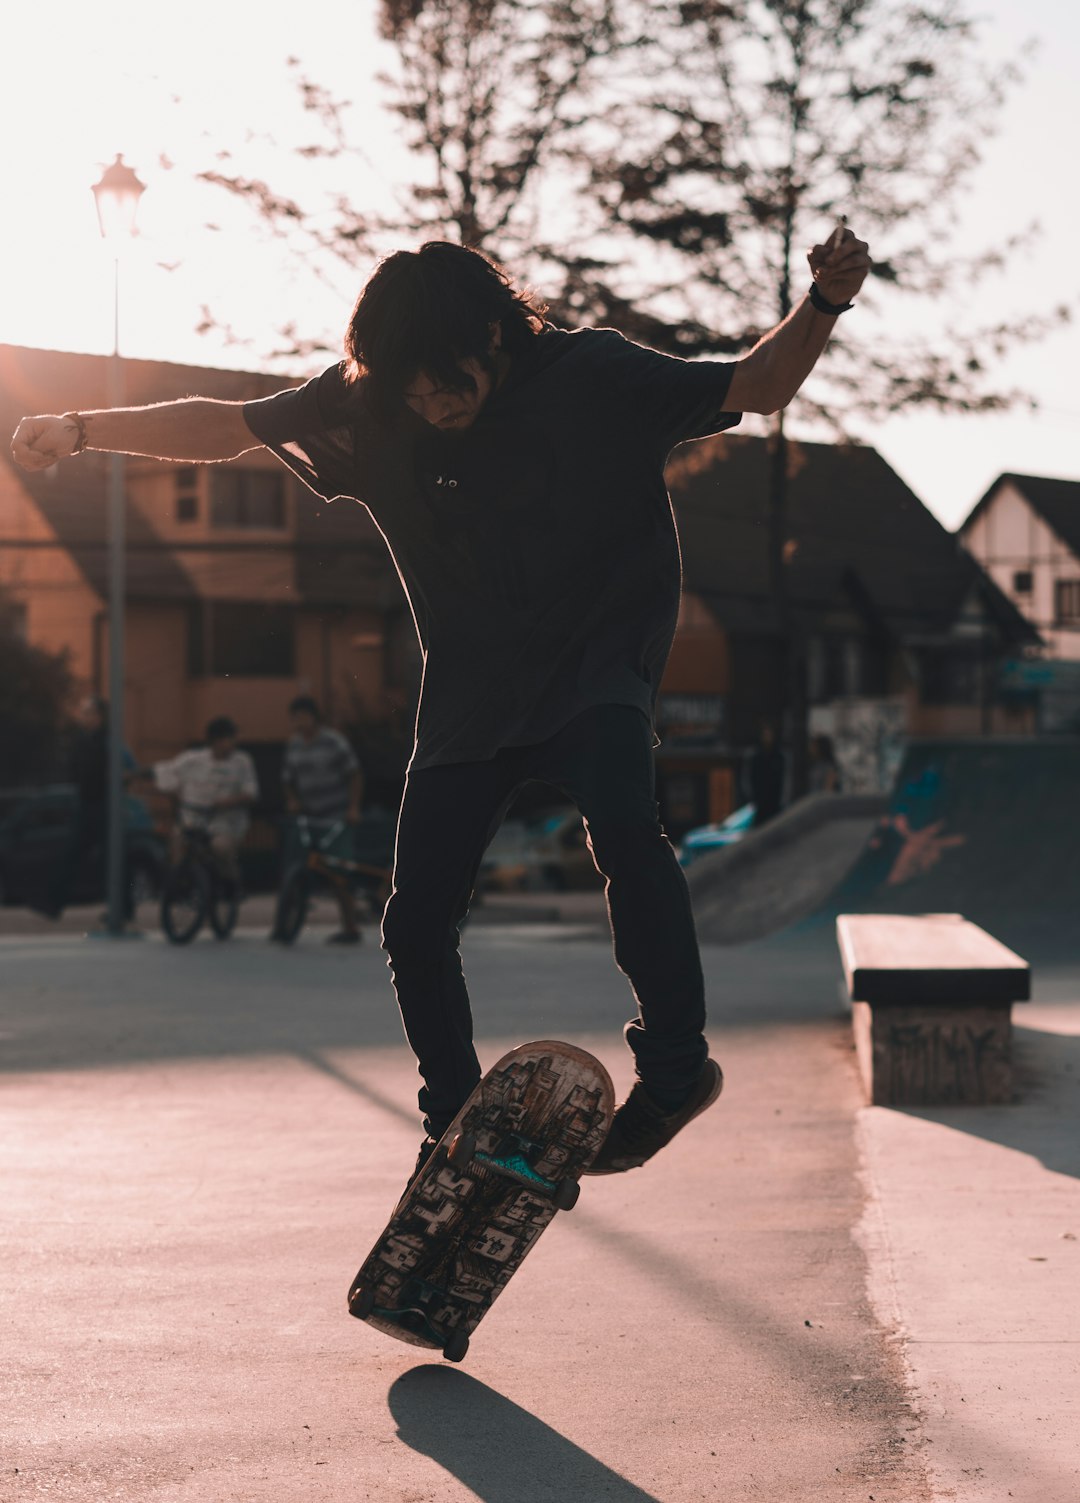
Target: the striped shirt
(319, 772)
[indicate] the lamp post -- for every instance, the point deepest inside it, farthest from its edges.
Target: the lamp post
(116, 196)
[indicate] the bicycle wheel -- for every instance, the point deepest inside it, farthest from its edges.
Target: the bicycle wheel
(224, 906)
(292, 905)
(185, 901)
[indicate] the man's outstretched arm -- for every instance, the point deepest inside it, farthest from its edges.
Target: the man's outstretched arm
(768, 377)
(195, 430)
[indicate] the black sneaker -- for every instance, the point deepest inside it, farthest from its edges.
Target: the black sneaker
(641, 1128)
(427, 1148)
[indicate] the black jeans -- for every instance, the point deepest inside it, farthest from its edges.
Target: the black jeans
(603, 761)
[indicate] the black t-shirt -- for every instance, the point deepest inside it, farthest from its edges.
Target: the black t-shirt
(537, 548)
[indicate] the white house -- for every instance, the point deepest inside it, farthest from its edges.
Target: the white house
(1026, 534)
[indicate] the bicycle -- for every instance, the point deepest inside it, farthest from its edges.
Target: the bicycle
(318, 865)
(195, 890)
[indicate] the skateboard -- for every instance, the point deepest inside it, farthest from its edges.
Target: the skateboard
(510, 1159)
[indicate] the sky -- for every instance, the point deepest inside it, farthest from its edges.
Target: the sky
(169, 87)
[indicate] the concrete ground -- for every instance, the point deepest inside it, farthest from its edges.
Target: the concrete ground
(972, 1234)
(802, 1299)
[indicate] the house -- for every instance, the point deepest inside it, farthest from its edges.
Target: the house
(898, 631)
(1025, 532)
(243, 588)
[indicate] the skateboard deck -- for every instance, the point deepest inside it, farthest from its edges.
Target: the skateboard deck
(509, 1160)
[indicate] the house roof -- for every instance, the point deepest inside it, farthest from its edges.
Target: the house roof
(859, 542)
(862, 543)
(340, 558)
(1056, 501)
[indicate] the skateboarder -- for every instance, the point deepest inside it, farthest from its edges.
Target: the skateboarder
(516, 472)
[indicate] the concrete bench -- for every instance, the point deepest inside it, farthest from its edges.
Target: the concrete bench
(932, 1003)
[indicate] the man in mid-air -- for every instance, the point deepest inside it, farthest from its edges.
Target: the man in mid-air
(516, 471)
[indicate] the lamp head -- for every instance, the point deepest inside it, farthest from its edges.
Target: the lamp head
(117, 195)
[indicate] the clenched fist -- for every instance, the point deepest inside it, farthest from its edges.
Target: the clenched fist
(41, 441)
(839, 267)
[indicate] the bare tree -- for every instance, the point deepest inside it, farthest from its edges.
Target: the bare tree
(744, 130)
(662, 167)
(487, 95)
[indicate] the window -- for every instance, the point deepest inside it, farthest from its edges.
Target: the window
(187, 494)
(229, 639)
(1067, 602)
(951, 676)
(247, 498)
(1023, 582)
(844, 668)
(13, 618)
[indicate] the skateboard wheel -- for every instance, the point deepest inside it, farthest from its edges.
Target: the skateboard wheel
(460, 1154)
(566, 1194)
(361, 1301)
(456, 1347)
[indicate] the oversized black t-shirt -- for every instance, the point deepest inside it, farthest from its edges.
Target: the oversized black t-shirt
(537, 548)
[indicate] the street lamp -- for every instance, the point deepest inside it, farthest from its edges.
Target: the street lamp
(116, 196)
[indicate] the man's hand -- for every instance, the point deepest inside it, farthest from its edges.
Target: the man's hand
(840, 266)
(40, 441)
(768, 377)
(193, 430)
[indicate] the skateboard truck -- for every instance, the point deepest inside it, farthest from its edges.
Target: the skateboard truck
(412, 1317)
(510, 1160)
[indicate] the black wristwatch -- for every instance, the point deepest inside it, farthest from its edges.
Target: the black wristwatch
(824, 306)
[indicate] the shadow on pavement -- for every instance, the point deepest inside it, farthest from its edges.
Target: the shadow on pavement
(1041, 1122)
(471, 1431)
(80, 1004)
(358, 1087)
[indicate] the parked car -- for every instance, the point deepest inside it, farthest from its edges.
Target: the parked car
(33, 835)
(706, 838)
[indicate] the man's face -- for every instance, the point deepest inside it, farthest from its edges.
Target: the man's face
(451, 409)
(304, 723)
(223, 747)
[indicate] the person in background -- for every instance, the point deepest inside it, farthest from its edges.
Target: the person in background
(90, 823)
(213, 788)
(823, 775)
(765, 776)
(323, 780)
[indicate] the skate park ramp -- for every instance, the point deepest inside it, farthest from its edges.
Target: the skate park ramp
(989, 828)
(782, 873)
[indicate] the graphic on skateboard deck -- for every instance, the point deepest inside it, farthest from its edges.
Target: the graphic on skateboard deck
(509, 1160)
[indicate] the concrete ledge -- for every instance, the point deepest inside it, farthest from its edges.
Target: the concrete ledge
(932, 1003)
(923, 1056)
(933, 959)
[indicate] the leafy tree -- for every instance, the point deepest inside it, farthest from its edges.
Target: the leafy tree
(35, 686)
(745, 129)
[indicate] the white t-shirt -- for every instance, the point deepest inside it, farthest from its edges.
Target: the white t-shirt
(199, 779)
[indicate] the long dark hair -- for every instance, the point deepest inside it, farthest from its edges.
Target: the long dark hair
(428, 310)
